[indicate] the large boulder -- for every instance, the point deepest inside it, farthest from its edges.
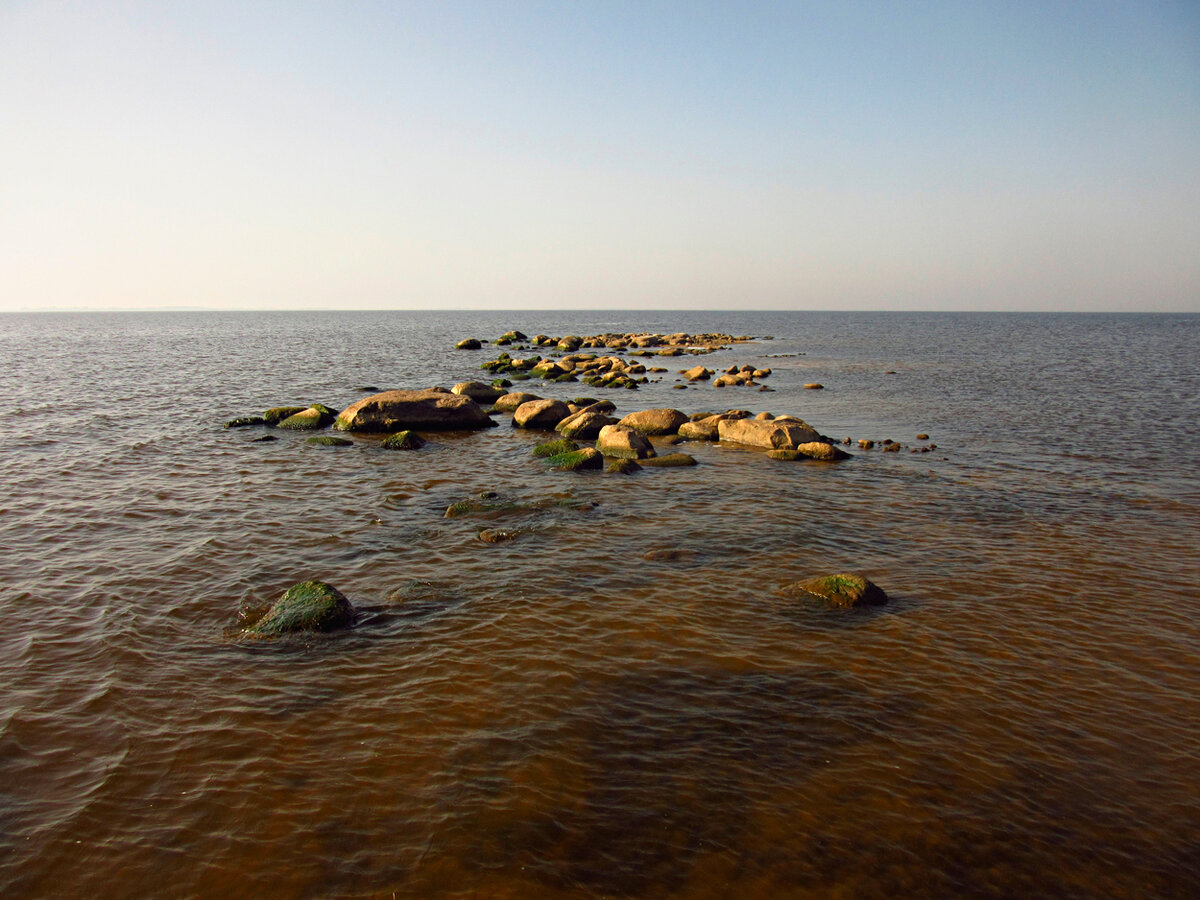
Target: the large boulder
(540, 414)
(771, 434)
(843, 590)
(655, 421)
(429, 410)
(585, 424)
(478, 391)
(308, 606)
(624, 443)
(509, 402)
(701, 430)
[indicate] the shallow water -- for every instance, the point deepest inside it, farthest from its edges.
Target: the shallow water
(571, 714)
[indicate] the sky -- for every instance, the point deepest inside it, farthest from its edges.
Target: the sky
(844, 155)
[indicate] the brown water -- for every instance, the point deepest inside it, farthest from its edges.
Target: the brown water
(573, 714)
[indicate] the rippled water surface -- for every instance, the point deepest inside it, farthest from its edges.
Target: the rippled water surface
(577, 713)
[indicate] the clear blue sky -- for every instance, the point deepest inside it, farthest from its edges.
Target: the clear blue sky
(803, 155)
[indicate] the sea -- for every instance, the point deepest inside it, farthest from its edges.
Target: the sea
(625, 700)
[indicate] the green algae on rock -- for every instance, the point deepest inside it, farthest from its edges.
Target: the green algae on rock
(328, 440)
(244, 421)
(307, 606)
(554, 448)
(277, 414)
(576, 460)
(309, 419)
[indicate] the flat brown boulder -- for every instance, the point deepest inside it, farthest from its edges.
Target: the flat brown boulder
(655, 421)
(540, 414)
(624, 443)
(812, 450)
(431, 410)
(787, 434)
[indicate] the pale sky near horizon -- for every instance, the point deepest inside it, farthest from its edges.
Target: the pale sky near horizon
(629, 155)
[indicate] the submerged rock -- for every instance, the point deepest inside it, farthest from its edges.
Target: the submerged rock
(670, 460)
(403, 440)
(554, 448)
(498, 535)
(328, 440)
(843, 590)
(244, 421)
(622, 467)
(308, 606)
(426, 410)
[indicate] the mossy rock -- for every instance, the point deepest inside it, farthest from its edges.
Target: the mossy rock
(403, 440)
(309, 419)
(468, 344)
(480, 505)
(501, 383)
(555, 448)
(578, 460)
(623, 466)
(308, 606)
(843, 590)
(499, 535)
(277, 414)
(670, 460)
(245, 421)
(328, 440)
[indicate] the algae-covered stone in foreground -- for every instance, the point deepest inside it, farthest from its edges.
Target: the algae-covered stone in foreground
(576, 460)
(308, 606)
(844, 590)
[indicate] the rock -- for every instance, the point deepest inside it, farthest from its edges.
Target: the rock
(584, 425)
(669, 554)
(623, 442)
(697, 373)
(264, 439)
(670, 460)
(554, 448)
(513, 335)
(328, 440)
(403, 440)
(478, 391)
(866, 444)
(315, 416)
(498, 535)
(702, 430)
(844, 590)
(468, 344)
(920, 437)
(277, 414)
(622, 467)
(655, 421)
(812, 450)
(243, 421)
(540, 414)
(308, 606)
(509, 402)
(570, 343)
(785, 435)
(427, 410)
(603, 406)
(575, 460)
(814, 386)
